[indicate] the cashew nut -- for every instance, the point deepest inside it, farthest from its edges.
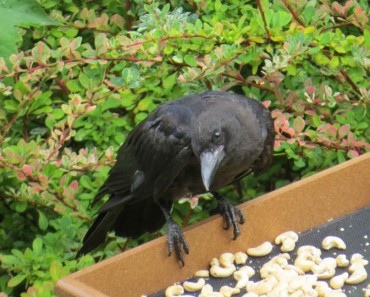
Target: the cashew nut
(202, 273)
(314, 251)
(218, 271)
(242, 277)
(290, 267)
(298, 293)
(304, 261)
(367, 291)
(303, 283)
(326, 268)
(307, 257)
(357, 276)
(287, 241)
(342, 260)
(261, 250)
(322, 288)
(194, 286)
(227, 291)
(249, 270)
(262, 287)
(358, 270)
(175, 290)
(358, 259)
(240, 258)
(226, 259)
(337, 282)
(207, 291)
(335, 293)
(276, 263)
(250, 294)
(214, 261)
(333, 242)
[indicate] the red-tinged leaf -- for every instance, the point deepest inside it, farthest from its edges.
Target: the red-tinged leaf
(329, 130)
(36, 188)
(298, 124)
(21, 176)
(71, 190)
(352, 154)
(277, 144)
(352, 140)
(291, 140)
(74, 184)
(301, 142)
(43, 179)
(62, 181)
(60, 208)
(310, 90)
(27, 169)
(344, 130)
(181, 79)
(90, 108)
(310, 112)
(276, 113)
(290, 131)
(266, 103)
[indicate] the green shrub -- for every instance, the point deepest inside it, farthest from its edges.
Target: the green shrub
(72, 91)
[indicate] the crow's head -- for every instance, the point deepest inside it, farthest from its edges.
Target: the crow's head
(224, 136)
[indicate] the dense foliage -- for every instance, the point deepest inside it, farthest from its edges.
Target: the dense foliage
(84, 73)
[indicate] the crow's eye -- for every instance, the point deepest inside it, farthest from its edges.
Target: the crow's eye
(218, 136)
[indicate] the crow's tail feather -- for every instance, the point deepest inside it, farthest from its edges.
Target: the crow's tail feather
(98, 231)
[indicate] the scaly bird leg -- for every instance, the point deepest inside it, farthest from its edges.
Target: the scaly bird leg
(231, 214)
(176, 240)
(175, 237)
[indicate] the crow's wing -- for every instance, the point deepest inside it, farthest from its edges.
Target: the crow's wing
(151, 157)
(147, 163)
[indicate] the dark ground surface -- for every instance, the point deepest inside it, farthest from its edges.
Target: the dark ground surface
(354, 229)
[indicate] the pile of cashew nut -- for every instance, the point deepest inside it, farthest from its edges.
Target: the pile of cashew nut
(311, 275)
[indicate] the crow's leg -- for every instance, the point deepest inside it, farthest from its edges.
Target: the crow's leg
(231, 214)
(175, 237)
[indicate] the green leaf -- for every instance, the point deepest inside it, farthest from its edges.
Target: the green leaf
(11, 106)
(334, 62)
(43, 221)
(21, 206)
(316, 120)
(299, 163)
(37, 246)
(16, 280)
(9, 259)
(367, 38)
(130, 74)
(56, 270)
(190, 60)
(85, 181)
(298, 124)
(19, 13)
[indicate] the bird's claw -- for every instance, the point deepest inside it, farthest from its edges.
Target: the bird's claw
(232, 215)
(177, 241)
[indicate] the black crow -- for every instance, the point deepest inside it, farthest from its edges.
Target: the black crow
(196, 144)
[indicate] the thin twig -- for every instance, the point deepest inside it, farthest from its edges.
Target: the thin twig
(351, 82)
(335, 26)
(21, 107)
(294, 14)
(242, 79)
(268, 36)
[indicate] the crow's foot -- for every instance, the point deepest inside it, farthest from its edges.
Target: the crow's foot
(231, 214)
(176, 240)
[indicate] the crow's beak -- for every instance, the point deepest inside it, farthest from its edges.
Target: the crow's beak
(210, 160)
